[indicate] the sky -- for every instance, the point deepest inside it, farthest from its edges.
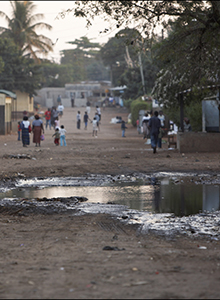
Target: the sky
(65, 30)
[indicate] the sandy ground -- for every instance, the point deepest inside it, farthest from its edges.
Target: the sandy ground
(62, 256)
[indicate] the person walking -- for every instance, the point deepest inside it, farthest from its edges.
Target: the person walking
(94, 127)
(54, 115)
(56, 136)
(25, 131)
(38, 129)
(145, 121)
(57, 123)
(78, 120)
(98, 110)
(62, 135)
(19, 131)
(88, 104)
(60, 109)
(48, 118)
(162, 118)
(123, 127)
(154, 125)
(85, 118)
(72, 102)
(97, 118)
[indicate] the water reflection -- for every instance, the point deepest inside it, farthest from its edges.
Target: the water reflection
(161, 196)
(186, 199)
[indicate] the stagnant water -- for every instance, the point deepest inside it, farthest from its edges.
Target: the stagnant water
(157, 195)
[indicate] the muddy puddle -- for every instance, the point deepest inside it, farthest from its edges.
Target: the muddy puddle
(164, 203)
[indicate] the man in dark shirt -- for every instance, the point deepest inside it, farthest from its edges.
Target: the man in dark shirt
(154, 125)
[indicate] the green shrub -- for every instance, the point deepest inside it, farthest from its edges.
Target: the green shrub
(127, 103)
(136, 106)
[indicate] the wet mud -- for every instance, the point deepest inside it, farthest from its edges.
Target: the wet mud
(203, 224)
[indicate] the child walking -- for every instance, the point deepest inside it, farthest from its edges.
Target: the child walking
(56, 136)
(123, 127)
(94, 127)
(19, 131)
(62, 136)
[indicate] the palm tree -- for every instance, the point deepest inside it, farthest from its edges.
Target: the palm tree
(22, 29)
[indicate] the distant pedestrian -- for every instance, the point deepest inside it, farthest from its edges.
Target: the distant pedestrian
(38, 129)
(19, 131)
(162, 118)
(123, 127)
(56, 136)
(187, 126)
(98, 110)
(57, 123)
(88, 104)
(97, 118)
(62, 132)
(25, 129)
(48, 118)
(94, 127)
(145, 122)
(78, 120)
(137, 124)
(54, 115)
(60, 109)
(85, 118)
(58, 99)
(154, 125)
(72, 102)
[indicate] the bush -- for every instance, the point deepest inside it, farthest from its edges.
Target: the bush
(127, 103)
(136, 106)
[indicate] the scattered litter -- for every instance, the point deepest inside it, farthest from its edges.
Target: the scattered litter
(112, 248)
(202, 247)
(136, 283)
(135, 269)
(115, 120)
(17, 156)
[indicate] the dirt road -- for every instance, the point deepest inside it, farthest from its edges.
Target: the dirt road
(62, 256)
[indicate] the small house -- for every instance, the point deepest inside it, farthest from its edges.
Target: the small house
(7, 105)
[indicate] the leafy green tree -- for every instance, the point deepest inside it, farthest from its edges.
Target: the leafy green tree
(54, 75)
(22, 29)
(84, 62)
(18, 72)
(197, 28)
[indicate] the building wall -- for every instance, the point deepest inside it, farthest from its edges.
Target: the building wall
(24, 102)
(49, 94)
(81, 92)
(5, 114)
(198, 142)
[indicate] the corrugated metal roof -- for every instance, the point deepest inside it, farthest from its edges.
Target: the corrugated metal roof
(8, 93)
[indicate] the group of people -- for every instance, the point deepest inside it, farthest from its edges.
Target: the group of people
(95, 122)
(153, 127)
(52, 115)
(37, 127)
(25, 128)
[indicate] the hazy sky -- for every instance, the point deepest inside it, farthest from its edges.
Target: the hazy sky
(67, 29)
